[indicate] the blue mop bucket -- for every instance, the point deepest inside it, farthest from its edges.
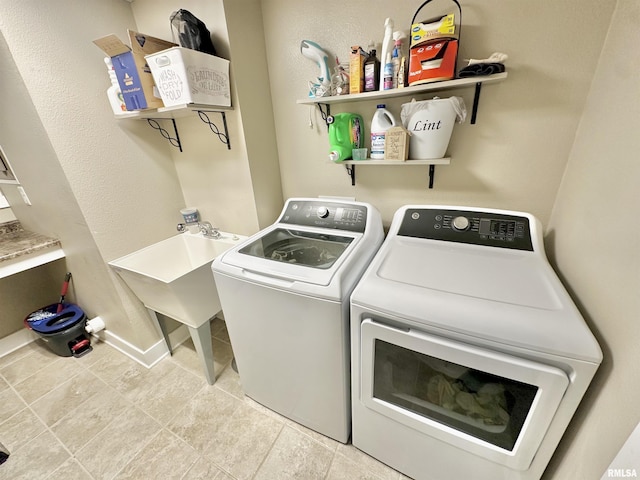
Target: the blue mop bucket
(62, 329)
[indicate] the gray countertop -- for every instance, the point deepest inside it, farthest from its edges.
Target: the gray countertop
(16, 242)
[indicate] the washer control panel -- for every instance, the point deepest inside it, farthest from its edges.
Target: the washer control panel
(477, 228)
(316, 213)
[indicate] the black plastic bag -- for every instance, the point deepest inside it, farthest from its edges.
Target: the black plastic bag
(191, 32)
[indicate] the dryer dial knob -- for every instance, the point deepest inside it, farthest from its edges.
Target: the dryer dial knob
(323, 212)
(460, 224)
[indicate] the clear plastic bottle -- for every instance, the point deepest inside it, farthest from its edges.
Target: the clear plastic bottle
(113, 92)
(388, 74)
(395, 60)
(381, 122)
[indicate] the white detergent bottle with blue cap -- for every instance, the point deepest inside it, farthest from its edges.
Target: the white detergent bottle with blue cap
(381, 122)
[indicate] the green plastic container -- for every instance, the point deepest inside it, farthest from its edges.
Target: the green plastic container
(346, 132)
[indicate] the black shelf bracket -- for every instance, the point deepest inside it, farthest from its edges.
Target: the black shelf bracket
(476, 100)
(326, 113)
(175, 141)
(223, 137)
(351, 171)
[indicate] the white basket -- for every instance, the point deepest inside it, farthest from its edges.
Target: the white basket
(185, 76)
(431, 124)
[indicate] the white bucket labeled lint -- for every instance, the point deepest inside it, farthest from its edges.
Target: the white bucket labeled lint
(431, 124)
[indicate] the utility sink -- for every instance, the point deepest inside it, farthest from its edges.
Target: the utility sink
(173, 277)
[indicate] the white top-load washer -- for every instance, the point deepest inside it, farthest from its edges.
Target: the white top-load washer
(285, 297)
(469, 358)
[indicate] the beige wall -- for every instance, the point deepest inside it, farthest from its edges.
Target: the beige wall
(119, 184)
(104, 188)
(237, 190)
(594, 238)
(118, 187)
(512, 158)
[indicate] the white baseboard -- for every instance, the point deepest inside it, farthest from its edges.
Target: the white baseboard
(16, 340)
(147, 358)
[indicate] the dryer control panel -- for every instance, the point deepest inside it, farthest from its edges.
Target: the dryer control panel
(478, 228)
(316, 213)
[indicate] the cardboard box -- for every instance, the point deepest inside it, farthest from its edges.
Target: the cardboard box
(433, 61)
(186, 76)
(130, 66)
(356, 69)
(434, 28)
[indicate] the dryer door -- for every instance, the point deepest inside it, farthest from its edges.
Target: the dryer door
(493, 405)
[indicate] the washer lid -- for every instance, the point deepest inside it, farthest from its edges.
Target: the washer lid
(308, 255)
(486, 273)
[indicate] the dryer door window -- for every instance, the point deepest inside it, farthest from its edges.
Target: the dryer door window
(485, 402)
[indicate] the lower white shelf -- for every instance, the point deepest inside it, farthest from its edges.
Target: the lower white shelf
(351, 165)
(406, 163)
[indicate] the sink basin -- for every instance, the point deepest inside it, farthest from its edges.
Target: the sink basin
(173, 277)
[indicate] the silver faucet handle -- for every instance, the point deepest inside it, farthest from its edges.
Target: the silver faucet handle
(181, 228)
(209, 230)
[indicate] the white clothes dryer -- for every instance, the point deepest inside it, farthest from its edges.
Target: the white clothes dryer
(285, 297)
(469, 358)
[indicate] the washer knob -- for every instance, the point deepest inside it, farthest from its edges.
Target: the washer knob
(461, 224)
(323, 212)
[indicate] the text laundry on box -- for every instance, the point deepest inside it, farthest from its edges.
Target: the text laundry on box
(183, 75)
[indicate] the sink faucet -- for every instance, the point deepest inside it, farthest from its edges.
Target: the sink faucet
(208, 230)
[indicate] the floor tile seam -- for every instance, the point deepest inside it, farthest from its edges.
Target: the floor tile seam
(144, 445)
(355, 462)
(223, 340)
(333, 450)
(48, 430)
(333, 460)
(35, 373)
(73, 410)
(180, 410)
(85, 471)
(264, 458)
(179, 365)
(116, 418)
(314, 441)
(240, 404)
(45, 365)
(26, 405)
(13, 361)
(58, 386)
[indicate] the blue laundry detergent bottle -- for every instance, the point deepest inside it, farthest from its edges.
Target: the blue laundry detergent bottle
(346, 132)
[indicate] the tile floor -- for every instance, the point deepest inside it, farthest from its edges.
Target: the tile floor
(104, 416)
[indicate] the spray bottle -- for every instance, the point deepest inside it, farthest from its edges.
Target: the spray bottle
(396, 58)
(387, 45)
(388, 73)
(113, 92)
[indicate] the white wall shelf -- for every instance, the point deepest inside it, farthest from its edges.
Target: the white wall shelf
(351, 165)
(153, 115)
(404, 92)
(410, 91)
